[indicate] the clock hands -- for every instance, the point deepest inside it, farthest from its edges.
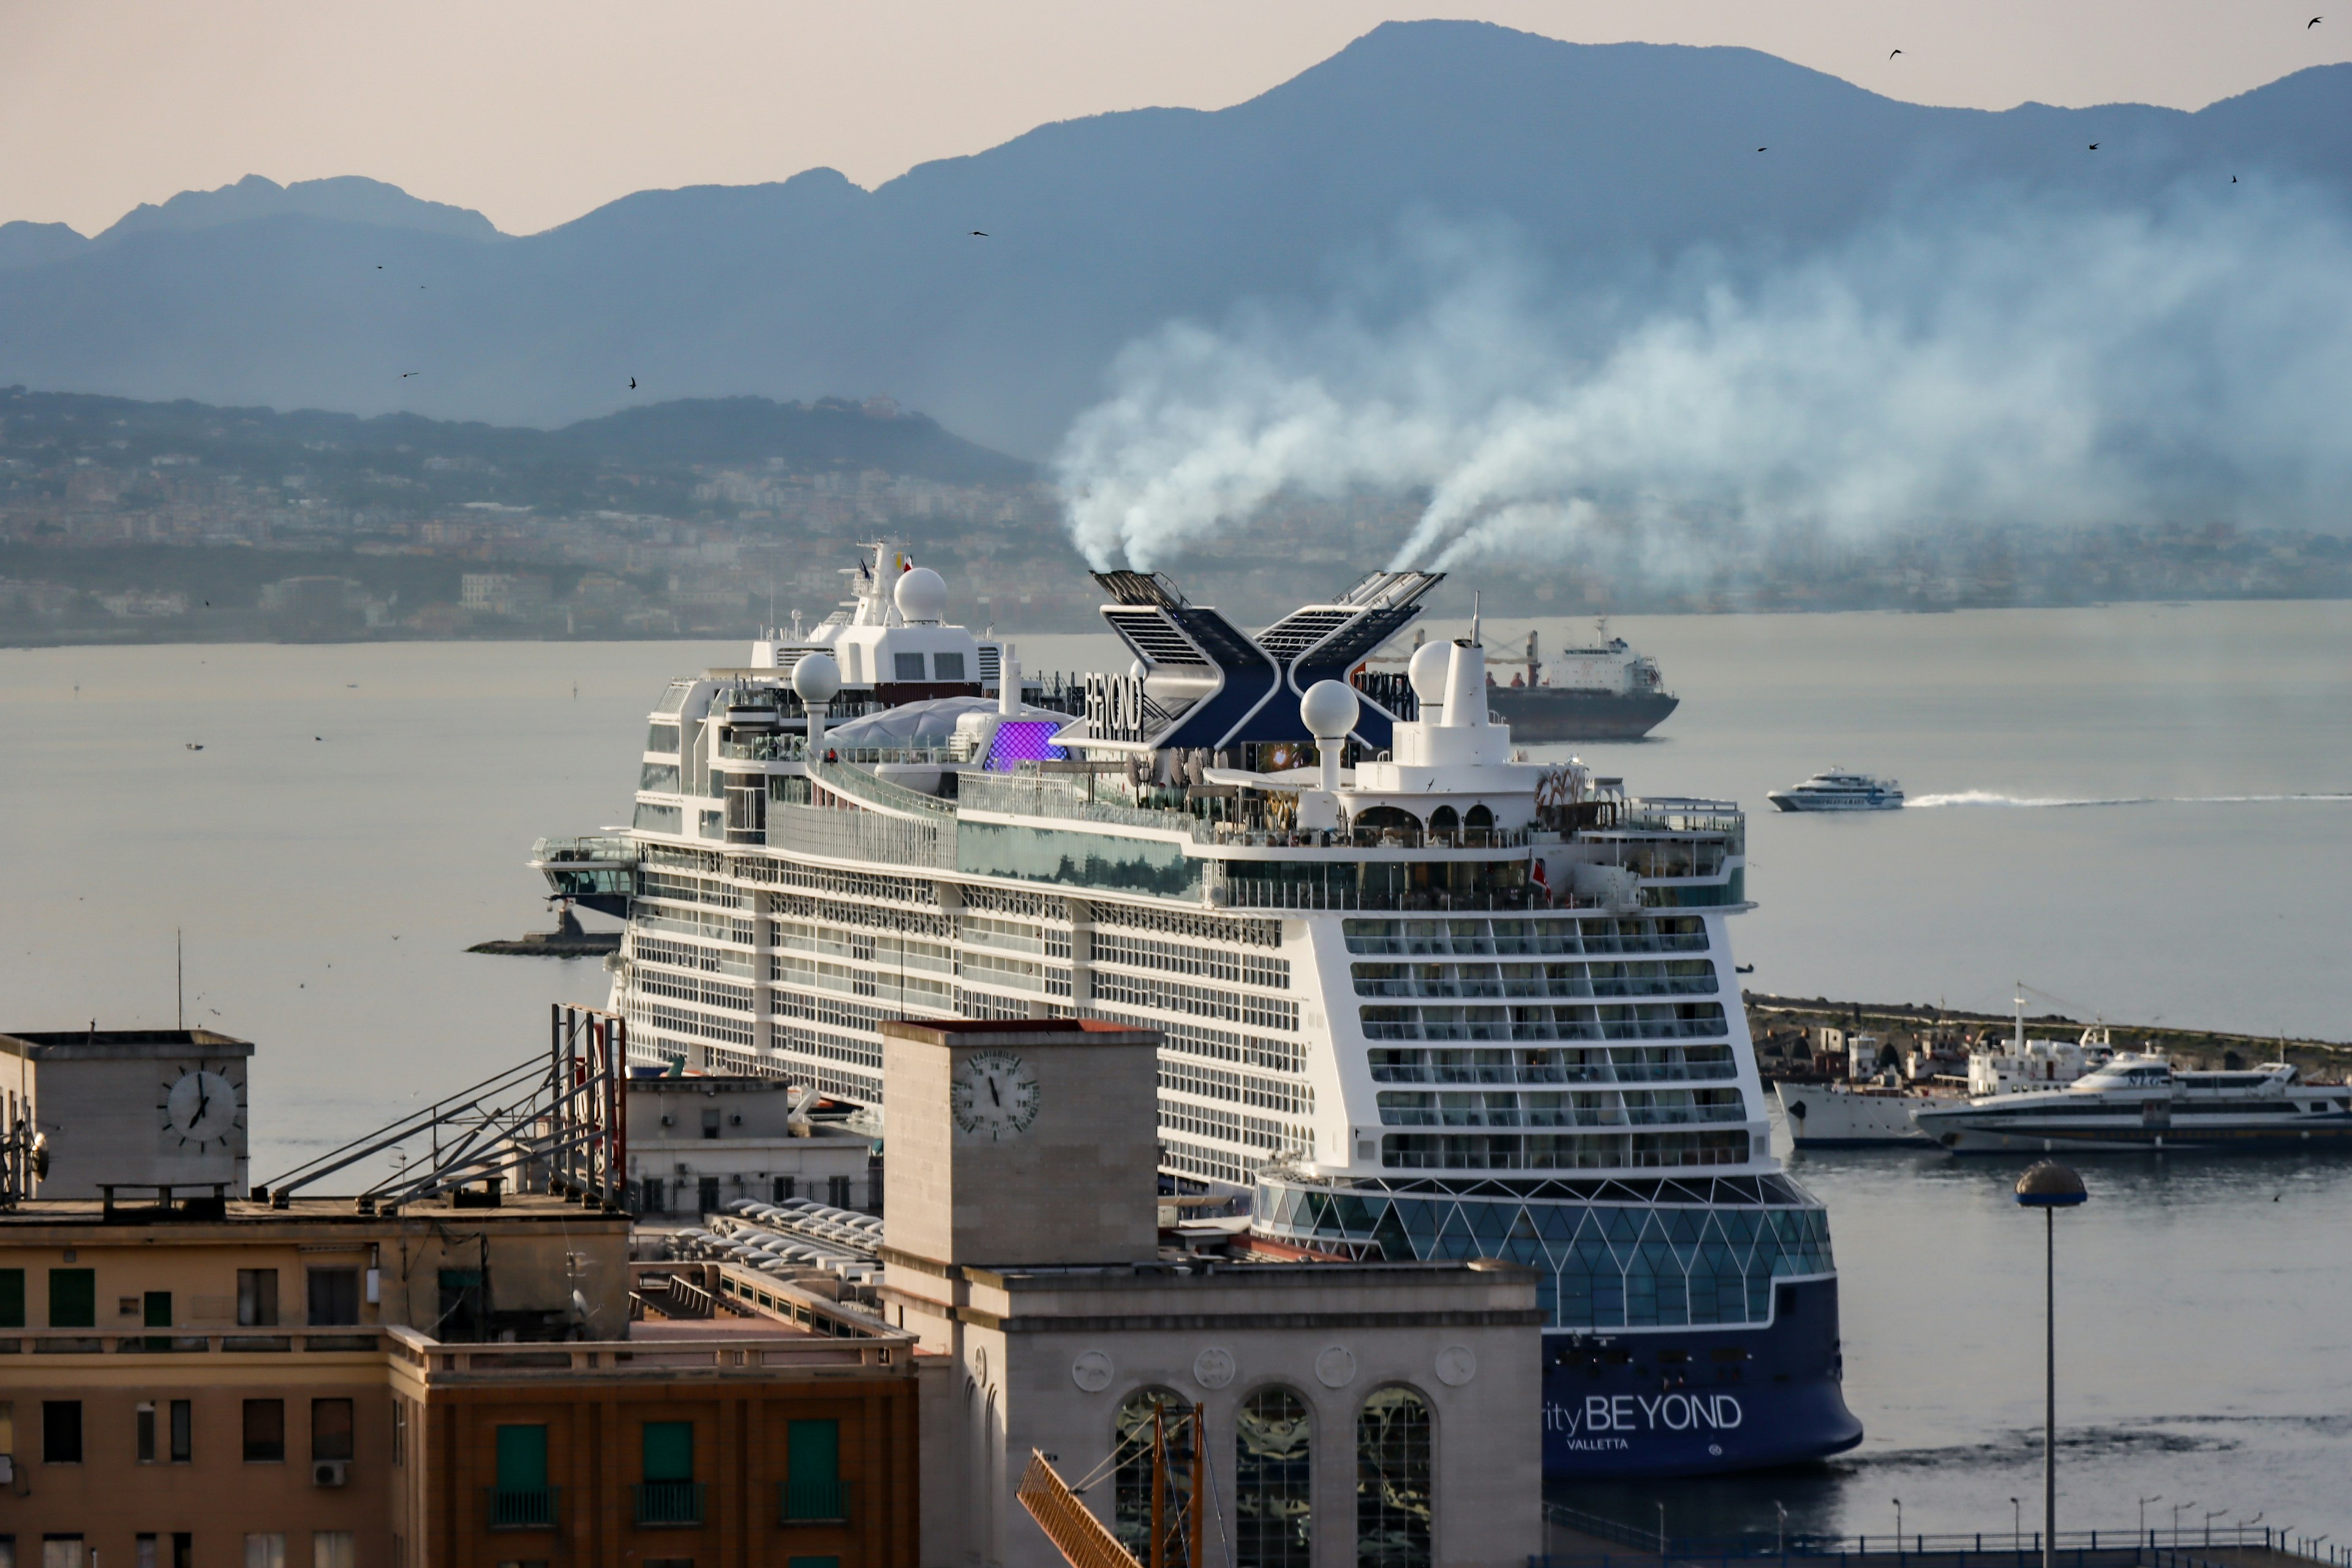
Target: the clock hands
(994, 1097)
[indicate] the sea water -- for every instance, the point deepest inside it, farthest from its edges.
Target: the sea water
(359, 815)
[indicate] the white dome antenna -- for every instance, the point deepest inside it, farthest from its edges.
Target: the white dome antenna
(815, 678)
(921, 595)
(1427, 672)
(1329, 710)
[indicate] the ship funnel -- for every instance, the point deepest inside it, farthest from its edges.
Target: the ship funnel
(1008, 682)
(1465, 685)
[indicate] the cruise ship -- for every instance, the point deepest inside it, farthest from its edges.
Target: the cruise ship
(1421, 997)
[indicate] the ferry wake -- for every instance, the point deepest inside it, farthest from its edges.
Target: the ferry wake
(1421, 997)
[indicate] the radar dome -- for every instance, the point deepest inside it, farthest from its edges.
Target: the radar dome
(921, 593)
(1328, 710)
(816, 678)
(1427, 672)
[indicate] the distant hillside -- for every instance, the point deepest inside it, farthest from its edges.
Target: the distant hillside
(505, 463)
(1608, 161)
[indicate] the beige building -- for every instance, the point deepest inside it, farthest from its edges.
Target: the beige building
(1337, 1399)
(697, 1142)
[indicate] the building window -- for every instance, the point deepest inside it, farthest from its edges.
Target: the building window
(1131, 1439)
(711, 1123)
(183, 1446)
(782, 1190)
(265, 1439)
(256, 1298)
(62, 1552)
(463, 1308)
(334, 1297)
(331, 1429)
(12, 1298)
(707, 1195)
(146, 1436)
(183, 1549)
(61, 1431)
(521, 1497)
(264, 1551)
(837, 1191)
(399, 1431)
(144, 1553)
(73, 1298)
(1392, 1472)
(1273, 1519)
(334, 1548)
(812, 1485)
(669, 1493)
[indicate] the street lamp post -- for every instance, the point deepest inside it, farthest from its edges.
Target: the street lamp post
(2152, 1497)
(1898, 1524)
(2016, 1526)
(2177, 1508)
(1783, 1540)
(2050, 1186)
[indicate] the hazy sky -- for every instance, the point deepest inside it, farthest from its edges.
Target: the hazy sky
(536, 110)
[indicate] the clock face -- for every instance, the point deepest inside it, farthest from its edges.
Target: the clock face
(994, 1096)
(200, 1109)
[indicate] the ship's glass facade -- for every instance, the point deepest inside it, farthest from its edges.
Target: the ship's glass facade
(1663, 1255)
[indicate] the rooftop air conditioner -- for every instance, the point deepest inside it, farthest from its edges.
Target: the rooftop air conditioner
(329, 1472)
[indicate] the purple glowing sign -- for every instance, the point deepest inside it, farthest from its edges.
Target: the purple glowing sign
(1022, 740)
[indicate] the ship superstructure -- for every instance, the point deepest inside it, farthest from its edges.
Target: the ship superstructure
(1421, 997)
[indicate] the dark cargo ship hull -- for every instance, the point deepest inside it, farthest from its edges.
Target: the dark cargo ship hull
(1538, 713)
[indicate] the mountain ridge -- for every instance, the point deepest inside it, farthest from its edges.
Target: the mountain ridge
(1605, 162)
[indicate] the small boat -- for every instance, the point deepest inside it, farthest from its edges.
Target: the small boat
(1838, 790)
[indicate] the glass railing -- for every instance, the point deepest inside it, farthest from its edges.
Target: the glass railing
(520, 1508)
(859, 784)
(816, 1500)
(1041, 794)
(668, 1503)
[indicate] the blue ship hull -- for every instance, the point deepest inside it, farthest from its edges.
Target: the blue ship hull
(1700, 1400)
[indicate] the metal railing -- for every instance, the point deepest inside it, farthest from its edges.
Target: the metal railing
(2156, 1548)
(667, 1503)
(520, 1508)
(813, 1501)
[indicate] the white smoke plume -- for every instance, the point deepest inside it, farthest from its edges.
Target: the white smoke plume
(2000, 362)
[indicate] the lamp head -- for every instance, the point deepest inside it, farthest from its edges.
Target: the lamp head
(2050, 1185)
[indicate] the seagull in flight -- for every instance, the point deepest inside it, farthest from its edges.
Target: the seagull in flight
(1763, 149)
(979, 234)
(2095, 146)
(1892, 52)
(2313, 23)
(632, 384)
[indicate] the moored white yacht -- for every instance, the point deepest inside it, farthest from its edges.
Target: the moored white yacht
(1422, 998)
(2144, 1102)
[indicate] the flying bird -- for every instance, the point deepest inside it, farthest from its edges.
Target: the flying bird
(2313, 23)
(1763, 149)
(632, 384)
(2095, 146)
(2234, 179)
(406, 373)
(1892, 52)
(318, 737)
(979, 234)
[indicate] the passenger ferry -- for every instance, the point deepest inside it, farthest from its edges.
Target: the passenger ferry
(1421, 997)
(2144, 1102)
(1838, 790)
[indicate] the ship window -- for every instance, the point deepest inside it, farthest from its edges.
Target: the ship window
(662, 738)
(660, 777)
(1478, 817)
(659, 818)
(1444, 820)
(909, 666)
(946, 667)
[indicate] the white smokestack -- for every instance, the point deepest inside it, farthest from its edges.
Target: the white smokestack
(1008, 682)
(1466, 687)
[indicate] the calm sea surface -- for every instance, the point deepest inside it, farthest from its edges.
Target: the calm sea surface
(359, 815)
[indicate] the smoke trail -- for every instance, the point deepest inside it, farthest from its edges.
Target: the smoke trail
(1996, 361)
(1988, 797)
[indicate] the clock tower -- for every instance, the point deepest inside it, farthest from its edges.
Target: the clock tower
(1022, 1141)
